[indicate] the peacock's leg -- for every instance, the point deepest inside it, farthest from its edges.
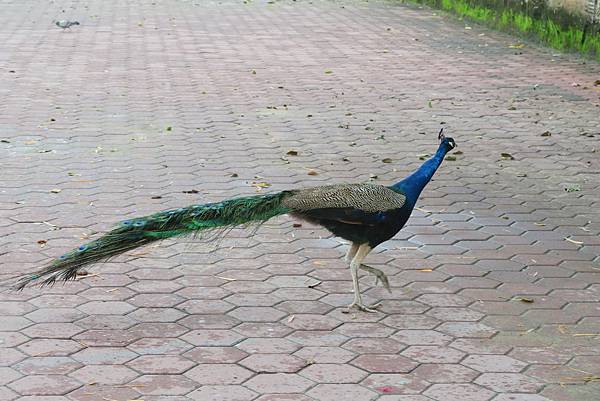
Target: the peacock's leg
(361, 254)
(351, 252)
(379, 276)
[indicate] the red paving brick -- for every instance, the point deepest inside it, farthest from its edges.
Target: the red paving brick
(495, 280)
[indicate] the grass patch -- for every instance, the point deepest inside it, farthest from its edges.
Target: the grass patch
(553, 27)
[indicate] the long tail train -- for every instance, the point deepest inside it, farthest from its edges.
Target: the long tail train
(140, 231)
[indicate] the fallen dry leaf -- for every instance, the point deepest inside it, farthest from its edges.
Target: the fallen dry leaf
(260, 185)
(312, 172)
(573, 241)
(292, 153)
(387, 160)
(56, 190)
(226, 278)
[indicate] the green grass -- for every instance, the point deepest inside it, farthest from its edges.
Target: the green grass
(566, 38)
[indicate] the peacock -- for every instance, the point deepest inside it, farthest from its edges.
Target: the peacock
(365, 214)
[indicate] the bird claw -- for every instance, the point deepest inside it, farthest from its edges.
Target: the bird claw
(379, 276)
(363, 308)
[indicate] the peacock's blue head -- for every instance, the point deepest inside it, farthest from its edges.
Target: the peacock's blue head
(446, 141)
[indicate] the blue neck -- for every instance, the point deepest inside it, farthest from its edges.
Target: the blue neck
(414, 183)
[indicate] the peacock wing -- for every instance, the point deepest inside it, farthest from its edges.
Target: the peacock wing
(342, 215)
(365, 198)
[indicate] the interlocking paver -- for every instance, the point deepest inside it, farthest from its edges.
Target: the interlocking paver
(495, 279)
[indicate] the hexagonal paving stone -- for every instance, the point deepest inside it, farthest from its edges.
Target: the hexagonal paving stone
(263, 329)
(44, 385)
(106, 322)
(39, 398)
(216, 373)
(163, 385)
(208, 322)
(324, 355)
(57, 301)
(50, 347)
(104, 355)
(482, 346)
(156, 314)
(157, 330)
(253, 299)
(156, 300)
(215, 354)
(455, 314)
(161, 364)
(267, 345)
(8, 375)
(55, 315)
(154, 286)
(389, 383)
(7, 394)
(433, 354)
(310, 307)
(337, 392)
(52, 330)
(106, 338)
(104, 374)
(211, 337)
(222, 393)
(411, 322)
(15, 308)
(278, 383)
(374, 346)
(333, 373)
(284, 397)
(256, 314)
(159, 346)
(520, 397)
(458, 392)
(97, 392)
(364, 330)
(312, 322)
(587, 363)
(494, 363)
(467, 329)
(509, 383)
(10, 356)
(273, 363)
(106, 308)
(317, 338)
(15, 323)
(445, 373)
(205, 306)
(422, 337)
(11, 339)
(382, 363)
(50, 365)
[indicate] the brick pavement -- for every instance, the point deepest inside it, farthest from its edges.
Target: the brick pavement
(496, 286)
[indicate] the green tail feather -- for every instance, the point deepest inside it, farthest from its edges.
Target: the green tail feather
(171, 223)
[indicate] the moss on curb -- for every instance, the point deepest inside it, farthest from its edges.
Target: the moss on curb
(556, 28)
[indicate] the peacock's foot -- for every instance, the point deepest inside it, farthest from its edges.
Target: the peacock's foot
(361, 307)
(379, 276)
